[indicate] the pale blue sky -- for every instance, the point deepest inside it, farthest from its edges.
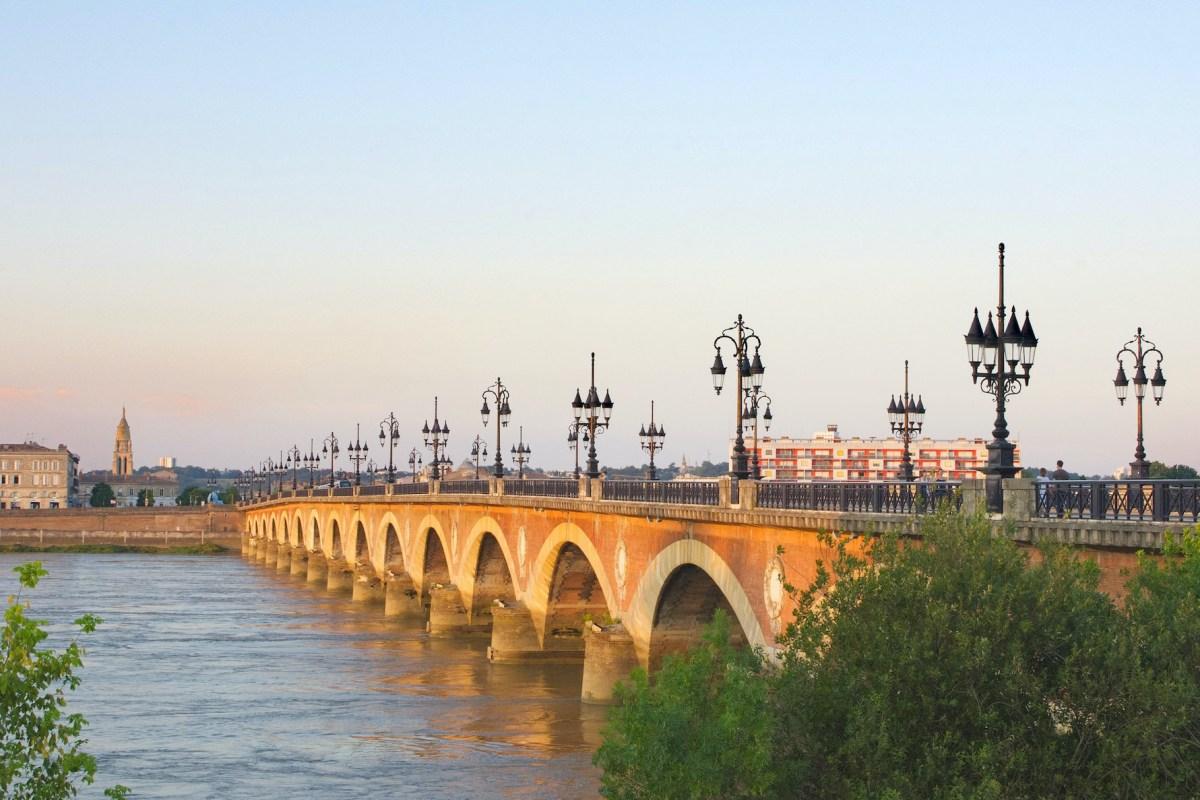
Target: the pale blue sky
(254, 223)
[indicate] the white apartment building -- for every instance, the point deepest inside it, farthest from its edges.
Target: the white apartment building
(33, 476)
(828, 457)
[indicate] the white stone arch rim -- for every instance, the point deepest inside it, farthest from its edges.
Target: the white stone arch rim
(389, 518)
(639, 622)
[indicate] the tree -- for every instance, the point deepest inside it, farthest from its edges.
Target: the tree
(192, 496)
(701, 730)
(145, 498)
(40, 755)
(102, 496)
(955, 667)
(1160, 470)
(230, 495)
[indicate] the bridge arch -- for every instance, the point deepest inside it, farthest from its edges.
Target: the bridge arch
(488, 572)
(297, 532)
(430, 560)
(285, 538)
(681, 588)
(393, 549)
(336, 551)
(314, 533)
(362, 548)
(566, 575)
(274, 532)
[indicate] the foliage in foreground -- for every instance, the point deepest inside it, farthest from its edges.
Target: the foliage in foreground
(40, 755)
(957, 668)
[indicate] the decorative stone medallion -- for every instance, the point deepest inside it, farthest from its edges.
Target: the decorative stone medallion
(773, 593)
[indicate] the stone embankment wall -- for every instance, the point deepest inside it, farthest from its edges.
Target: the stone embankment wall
(145, 527)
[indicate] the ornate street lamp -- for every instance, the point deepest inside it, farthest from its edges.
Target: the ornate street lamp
(907, 418)
(749, 376)
(592, 415)
(281, 471)
(1140, 467)
(573, 443)
(358, 453)
(414, 463)
(436, 439)
(331, 450)
(520, 453)
(478, 450)
(651, 441)
(312, 461)
(389, 431)
(994, 354)
(499, 395)
(293, 462)
(372, 471)
(252, 481)
(267, 469)
(755, 399)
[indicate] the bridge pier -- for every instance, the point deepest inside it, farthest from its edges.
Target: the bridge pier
(266, 553)
(283, 557)
(448, 614)
(250, 548)
(318, 567)
(609, 657)
(299, 565)
(368, 588)
(246, 543)
(514, 639)
(340, 576)
(401, 599)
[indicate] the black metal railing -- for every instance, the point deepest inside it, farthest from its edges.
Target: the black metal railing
(421, 487)
(692, 493)
(464, 487)
(342, 491)
(880, 497)
(376, 489)
(1148, 500)
(542, 487)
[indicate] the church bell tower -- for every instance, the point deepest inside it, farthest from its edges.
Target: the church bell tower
(122, 465)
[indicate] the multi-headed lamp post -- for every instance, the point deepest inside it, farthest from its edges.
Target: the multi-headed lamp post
(907, 418)
(1140, 467)
(331, 450)
(520, 453)
(281, 471)
(573, 443)
(268, 469)
(651, 440)
(749, 376)
(436, 439)
(994, 354)
(499, 395)
(293, 461)
(756, 399)
(389, 431)
(592, 415)
(414, 463)
(312, 462)
(478, 451)
(358, 453)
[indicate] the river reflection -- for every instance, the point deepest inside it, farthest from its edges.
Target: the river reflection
(215, 678)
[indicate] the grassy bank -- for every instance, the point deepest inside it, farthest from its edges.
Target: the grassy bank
(179, 550)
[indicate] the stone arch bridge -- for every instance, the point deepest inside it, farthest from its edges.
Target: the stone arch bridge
(575, 574)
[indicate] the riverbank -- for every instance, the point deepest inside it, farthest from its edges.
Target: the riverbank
(155, 529)
(207, 549)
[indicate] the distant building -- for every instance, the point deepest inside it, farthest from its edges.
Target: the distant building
(829, 457)
(33, 476)
(163, 484)
(167, 462)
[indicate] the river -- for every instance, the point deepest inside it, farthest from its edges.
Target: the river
(215, 678)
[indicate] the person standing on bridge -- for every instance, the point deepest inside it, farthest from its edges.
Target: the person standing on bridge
(1056, 493)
